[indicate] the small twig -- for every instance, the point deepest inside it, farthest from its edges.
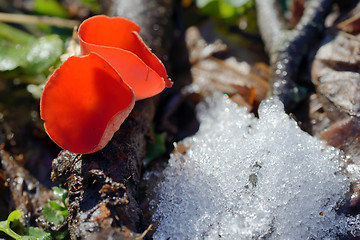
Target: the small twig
(144, 233)
(31, 19)
(269, 21)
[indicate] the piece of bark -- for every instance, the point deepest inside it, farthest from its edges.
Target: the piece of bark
(27, 193)
(288, 48)
(103, 186)
(335, 74)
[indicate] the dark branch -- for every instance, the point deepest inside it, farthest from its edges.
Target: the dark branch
(287, 48)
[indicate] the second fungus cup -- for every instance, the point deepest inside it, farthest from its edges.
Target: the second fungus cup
(117, 40)
(88, 97)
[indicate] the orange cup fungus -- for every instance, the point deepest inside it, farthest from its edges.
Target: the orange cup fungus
(88, 97)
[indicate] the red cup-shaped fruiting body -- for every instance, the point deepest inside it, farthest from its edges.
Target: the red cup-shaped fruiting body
(117, 40)
(84, 103)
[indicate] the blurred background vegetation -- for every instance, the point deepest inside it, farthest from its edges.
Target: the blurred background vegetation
(33, 36)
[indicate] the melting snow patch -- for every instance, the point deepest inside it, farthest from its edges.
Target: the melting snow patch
(248, 178)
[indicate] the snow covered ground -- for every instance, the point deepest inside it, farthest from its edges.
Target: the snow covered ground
(250, 178)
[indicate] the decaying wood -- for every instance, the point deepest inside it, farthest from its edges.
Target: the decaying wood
(103, 186)
(287, 48)
(27, 193)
